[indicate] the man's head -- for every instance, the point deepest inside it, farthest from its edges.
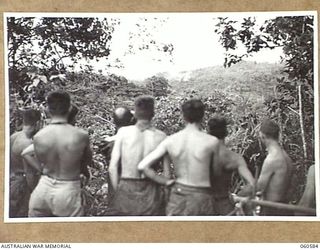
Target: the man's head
(193, 111)
(31, 117)
(31, 120)
(217, 127)
(144, 108)
(269, 130)
(122, 117)
(58, 103)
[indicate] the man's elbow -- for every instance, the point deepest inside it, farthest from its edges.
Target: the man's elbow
(141, 167)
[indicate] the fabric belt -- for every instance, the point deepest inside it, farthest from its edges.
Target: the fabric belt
(179, 187)
(60, 179)
(133, 179)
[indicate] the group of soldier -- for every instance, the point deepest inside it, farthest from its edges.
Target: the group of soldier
(187, 173)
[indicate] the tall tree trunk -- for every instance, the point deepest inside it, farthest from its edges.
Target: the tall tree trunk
(301, 121)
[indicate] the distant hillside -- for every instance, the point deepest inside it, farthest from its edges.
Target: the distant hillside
(245, 78)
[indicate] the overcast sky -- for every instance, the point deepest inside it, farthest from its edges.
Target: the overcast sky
(192, 35)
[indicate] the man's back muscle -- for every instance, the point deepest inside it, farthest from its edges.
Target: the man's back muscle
(18, 142)
(135, 145)
(280, 180)
(60, 148)
(192, 154)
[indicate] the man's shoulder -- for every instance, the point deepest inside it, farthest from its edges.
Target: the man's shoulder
(15, 135)
(272, 161)
(160, 133)
(81, 132)
(175, 135)
(210, 139)
(126, 128)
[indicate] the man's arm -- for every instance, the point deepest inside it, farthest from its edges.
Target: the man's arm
(166, 166)
(86, 159)
(115, 160)
(265, 176)
(30, 158)
(217, 169)
(146, 164)
(308, 197)
(244, 172)
(13, 138)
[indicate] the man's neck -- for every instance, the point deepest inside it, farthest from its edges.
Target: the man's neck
(193, 126)
(143, 124)
(222, 142)
(59, 119)
(28, 130)
(272, 146)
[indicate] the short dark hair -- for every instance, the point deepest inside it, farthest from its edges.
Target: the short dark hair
(30, 117)
(58, 102)
(217, 127)
(72, 114)
(193, 110)
(122, 117)
(144, 107)
(270, 129)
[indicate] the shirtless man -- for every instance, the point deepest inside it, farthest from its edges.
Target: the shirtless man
(277, 168)
(19, 189)
(64, 152)
(121, 117)
(229, 161)
(135, 194)
(194, 154)
(29, 157)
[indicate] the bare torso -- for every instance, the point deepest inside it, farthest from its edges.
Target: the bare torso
(61, 149)
(136, 143)
(229, 162)
(279, 182)
(18, 142)
(192, 152)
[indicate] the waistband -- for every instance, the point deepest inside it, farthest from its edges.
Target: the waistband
(134, 179)
(60, 179)
(183, 187)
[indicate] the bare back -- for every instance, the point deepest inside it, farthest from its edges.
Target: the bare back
(18, 142)
(279, 181)
(135, 145)
(61, 148)
(192, 153)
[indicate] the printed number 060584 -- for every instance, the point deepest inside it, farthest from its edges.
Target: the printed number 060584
(308, 245)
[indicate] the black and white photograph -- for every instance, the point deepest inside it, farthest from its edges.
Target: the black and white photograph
(161, 116)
